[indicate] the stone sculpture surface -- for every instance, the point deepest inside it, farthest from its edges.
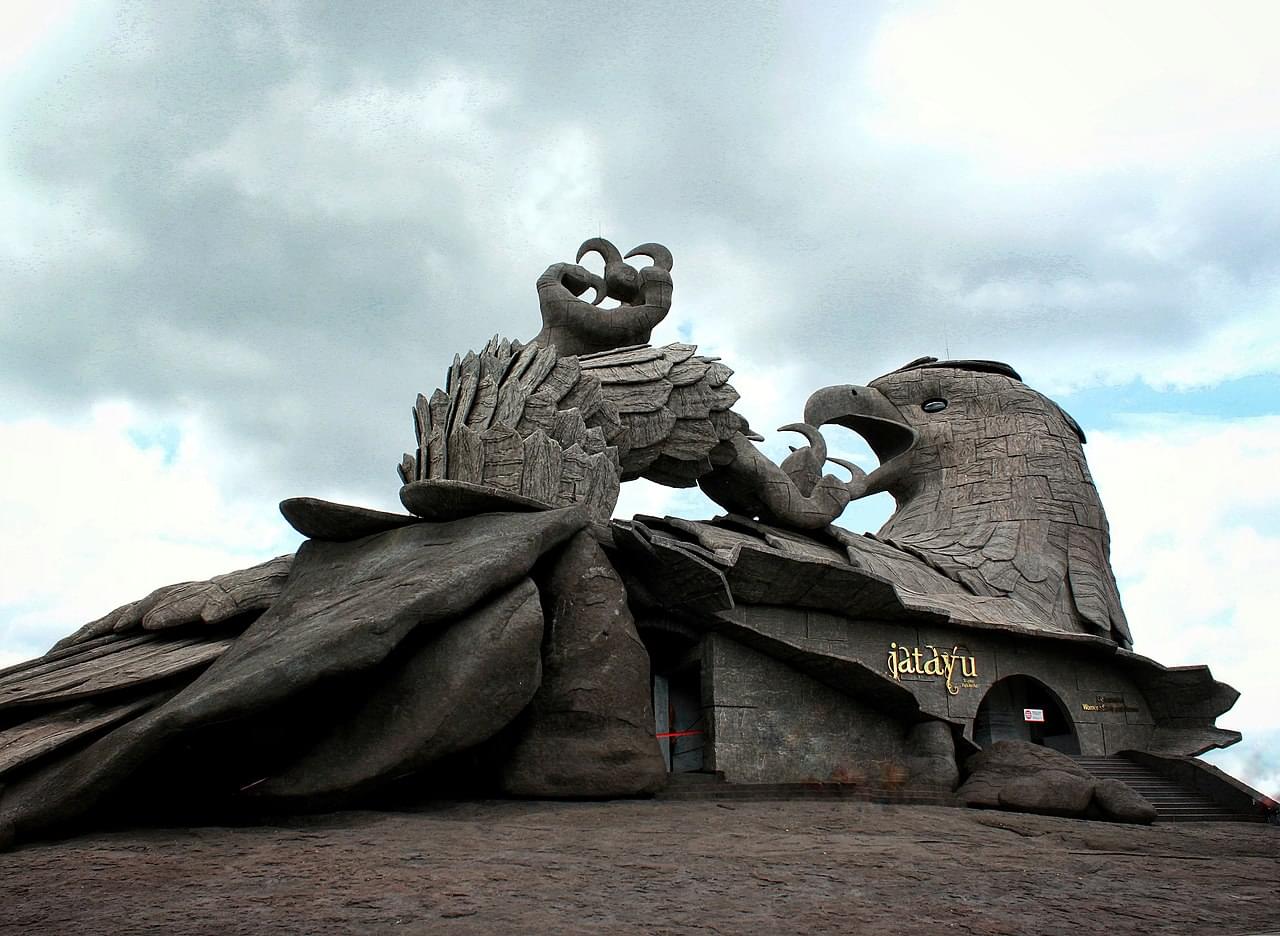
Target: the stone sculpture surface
(992, 487)
(488, 639)
(588, 404)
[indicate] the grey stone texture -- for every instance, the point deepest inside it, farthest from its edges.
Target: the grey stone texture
(449, 694)
(441, 500)
(1051, 792)
(991, 485)
(339, 523)
(215, 601)
(589, 731)
(578, 327)
(995, 767)
(770, 723)
(345, 609)
(393, 642)
(930, 756)
(1121, 802)
(589, 403)
(832, 604)
(1025, 777)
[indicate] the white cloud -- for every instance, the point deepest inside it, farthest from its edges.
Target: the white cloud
(373, 153)
(369, 153)
(99, 511)
(26, 24)
(1039, 87)
(1195, 509)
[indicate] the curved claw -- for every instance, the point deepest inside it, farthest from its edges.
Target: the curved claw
(856, 486)
(660, 256)
(812, 435)
(578, 280)
(848, 466)
(604, 248)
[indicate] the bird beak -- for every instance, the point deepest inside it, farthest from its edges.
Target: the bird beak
(869, 413)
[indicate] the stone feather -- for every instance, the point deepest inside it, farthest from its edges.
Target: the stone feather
(662, 413)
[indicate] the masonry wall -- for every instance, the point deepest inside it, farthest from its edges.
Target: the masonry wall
(771, 724)
(1088, 682)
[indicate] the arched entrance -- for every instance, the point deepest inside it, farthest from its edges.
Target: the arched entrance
(1009, 710)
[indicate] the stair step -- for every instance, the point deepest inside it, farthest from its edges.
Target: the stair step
(777, 791)
(1173, 801)
(694, 778)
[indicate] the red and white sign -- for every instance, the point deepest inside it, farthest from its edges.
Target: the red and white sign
(1033, 714)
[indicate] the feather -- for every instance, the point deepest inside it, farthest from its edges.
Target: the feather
(638, 397)
(502, 458)
(438, 445)
(643, 372)
(688, 372)
(620, 357)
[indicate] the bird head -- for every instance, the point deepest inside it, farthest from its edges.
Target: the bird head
(933, 420)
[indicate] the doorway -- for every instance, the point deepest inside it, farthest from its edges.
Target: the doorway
(675, 660)
(677, 708)
(1020, 708)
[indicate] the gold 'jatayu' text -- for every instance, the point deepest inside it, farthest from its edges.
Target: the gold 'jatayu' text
(913, 661)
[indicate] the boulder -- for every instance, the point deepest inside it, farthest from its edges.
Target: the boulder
(1003, 762)
(1051, 792)
(590, 728)
(1121, 802)
(931, 755)
(448, 694)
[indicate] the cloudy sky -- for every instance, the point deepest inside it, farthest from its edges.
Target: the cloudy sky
(236, 239)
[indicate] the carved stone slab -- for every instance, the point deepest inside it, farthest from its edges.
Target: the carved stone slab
(32, 740)
(449, 500)
(142, 660)
(338, 523)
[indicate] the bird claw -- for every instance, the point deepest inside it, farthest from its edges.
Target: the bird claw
(578, 279)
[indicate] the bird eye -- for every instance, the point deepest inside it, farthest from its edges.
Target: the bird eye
(933, 406)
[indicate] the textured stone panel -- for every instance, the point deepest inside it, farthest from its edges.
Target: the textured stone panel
(774, 724)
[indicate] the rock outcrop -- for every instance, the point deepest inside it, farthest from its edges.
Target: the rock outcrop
(590, 727)
(931, 755)
(1025, 777)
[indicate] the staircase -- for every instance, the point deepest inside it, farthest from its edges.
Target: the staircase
(712, 786)
(1173, 801)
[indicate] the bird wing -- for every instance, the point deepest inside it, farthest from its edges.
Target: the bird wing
(520, 418)
(1011, 559)
(676, 408)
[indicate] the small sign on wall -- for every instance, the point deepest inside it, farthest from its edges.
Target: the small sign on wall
(1033, 714)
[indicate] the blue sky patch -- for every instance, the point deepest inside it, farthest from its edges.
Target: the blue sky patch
(1103, 407)
(164, 436)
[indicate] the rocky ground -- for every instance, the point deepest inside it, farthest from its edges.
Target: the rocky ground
(653, 867)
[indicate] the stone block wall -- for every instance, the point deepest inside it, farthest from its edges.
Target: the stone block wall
(1105, 706)
(771, 724)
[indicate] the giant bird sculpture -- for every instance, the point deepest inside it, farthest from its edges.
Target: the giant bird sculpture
(495, 616)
